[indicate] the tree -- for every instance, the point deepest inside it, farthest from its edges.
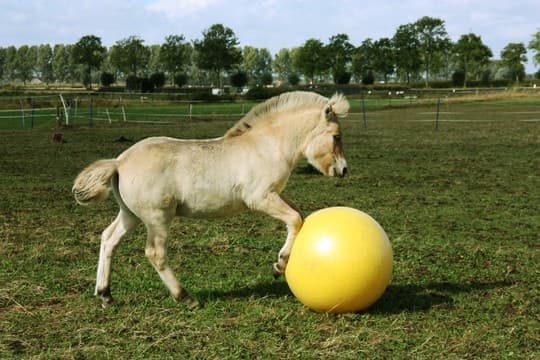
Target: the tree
(406, 51)
(174, 55)
(154, 64)
(25, 62)
(257, 63)
(89, 53)
(2, 62)
(63, 66)
(433, 40)
(363, 61)
(513, 57)
(383, 57)
(282, 64)
(472, 56)
(10, 63)
(218, 50)
(44, 63)
(534, 45)
(312, 60)
(340, 52)
(130, 56)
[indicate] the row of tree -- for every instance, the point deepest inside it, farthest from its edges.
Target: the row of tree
(418, 51)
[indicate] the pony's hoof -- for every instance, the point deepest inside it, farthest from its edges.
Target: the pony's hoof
(189, 300)
(192, 303)
(277, 270)
(107, 302)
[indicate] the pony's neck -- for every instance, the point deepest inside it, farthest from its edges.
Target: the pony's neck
(291, 133)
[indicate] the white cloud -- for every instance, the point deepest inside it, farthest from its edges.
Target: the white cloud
(172, 8)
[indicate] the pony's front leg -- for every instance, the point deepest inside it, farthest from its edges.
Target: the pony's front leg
(282, 209)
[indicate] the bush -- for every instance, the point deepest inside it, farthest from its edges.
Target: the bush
(458, 78)
(262, 93)
(343, 78)
(146, 85)
(132, 83)
(267, 78)
(107, 79)
(157, 80)
(239, 79)
(180, 80)
(368, 79)
(293, 79)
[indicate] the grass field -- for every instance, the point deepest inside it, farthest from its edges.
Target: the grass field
(460, 205)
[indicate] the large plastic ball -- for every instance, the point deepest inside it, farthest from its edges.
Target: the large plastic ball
(341, 261)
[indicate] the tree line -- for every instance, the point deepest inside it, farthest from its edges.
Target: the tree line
(418, 52)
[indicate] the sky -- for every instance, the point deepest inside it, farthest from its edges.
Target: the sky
(271, 24)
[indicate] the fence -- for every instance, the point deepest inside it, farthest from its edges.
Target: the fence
(57, 110)
(28, 112)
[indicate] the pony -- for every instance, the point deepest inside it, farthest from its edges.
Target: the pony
(159, 178)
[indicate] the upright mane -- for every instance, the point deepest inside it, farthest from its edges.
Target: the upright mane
(285, 102)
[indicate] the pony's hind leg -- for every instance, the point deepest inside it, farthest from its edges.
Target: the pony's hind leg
(156, 252)
(110, 238)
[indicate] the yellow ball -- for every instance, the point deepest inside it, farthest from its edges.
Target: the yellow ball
(341, 261)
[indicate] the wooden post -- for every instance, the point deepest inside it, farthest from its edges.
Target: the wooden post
(91, 117)
(437, 114)
(364, 111)
(32, 113)
(22, 112)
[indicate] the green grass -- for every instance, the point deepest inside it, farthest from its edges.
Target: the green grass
(460, 205)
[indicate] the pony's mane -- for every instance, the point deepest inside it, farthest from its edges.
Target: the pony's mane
(285, 102)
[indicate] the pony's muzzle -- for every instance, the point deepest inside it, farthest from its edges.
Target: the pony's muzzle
(340, 168)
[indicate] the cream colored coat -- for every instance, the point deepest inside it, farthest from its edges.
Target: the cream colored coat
(160, 177)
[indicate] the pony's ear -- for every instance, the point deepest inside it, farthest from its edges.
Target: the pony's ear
(329, 113)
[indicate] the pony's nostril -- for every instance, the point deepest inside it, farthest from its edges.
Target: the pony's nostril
(344, 171)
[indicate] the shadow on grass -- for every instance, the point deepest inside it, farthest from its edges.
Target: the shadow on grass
(412, 298)
(396, 299)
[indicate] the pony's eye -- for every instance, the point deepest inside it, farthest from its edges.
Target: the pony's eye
(337, 137)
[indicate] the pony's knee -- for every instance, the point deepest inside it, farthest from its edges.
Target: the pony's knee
(296, 220)
(157, 257)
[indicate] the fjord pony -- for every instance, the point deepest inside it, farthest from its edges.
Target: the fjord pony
(159, 178)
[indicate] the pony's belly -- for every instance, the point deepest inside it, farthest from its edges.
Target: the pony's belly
(209, 210)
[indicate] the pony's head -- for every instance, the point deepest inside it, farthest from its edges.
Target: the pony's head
(320, 129)
(324, 148)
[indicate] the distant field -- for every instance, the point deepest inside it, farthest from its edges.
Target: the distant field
(460, 205)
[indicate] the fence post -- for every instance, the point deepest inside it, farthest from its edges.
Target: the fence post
(32, 113)
(22, 112)
(108, 115)
(91, 118)
(65, 109)
(437, 114)
(190, 110)
(75, 111)
(124, 113)
(364, 111)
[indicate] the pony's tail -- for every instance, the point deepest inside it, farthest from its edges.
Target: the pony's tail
(94, 182)
(338, 105)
